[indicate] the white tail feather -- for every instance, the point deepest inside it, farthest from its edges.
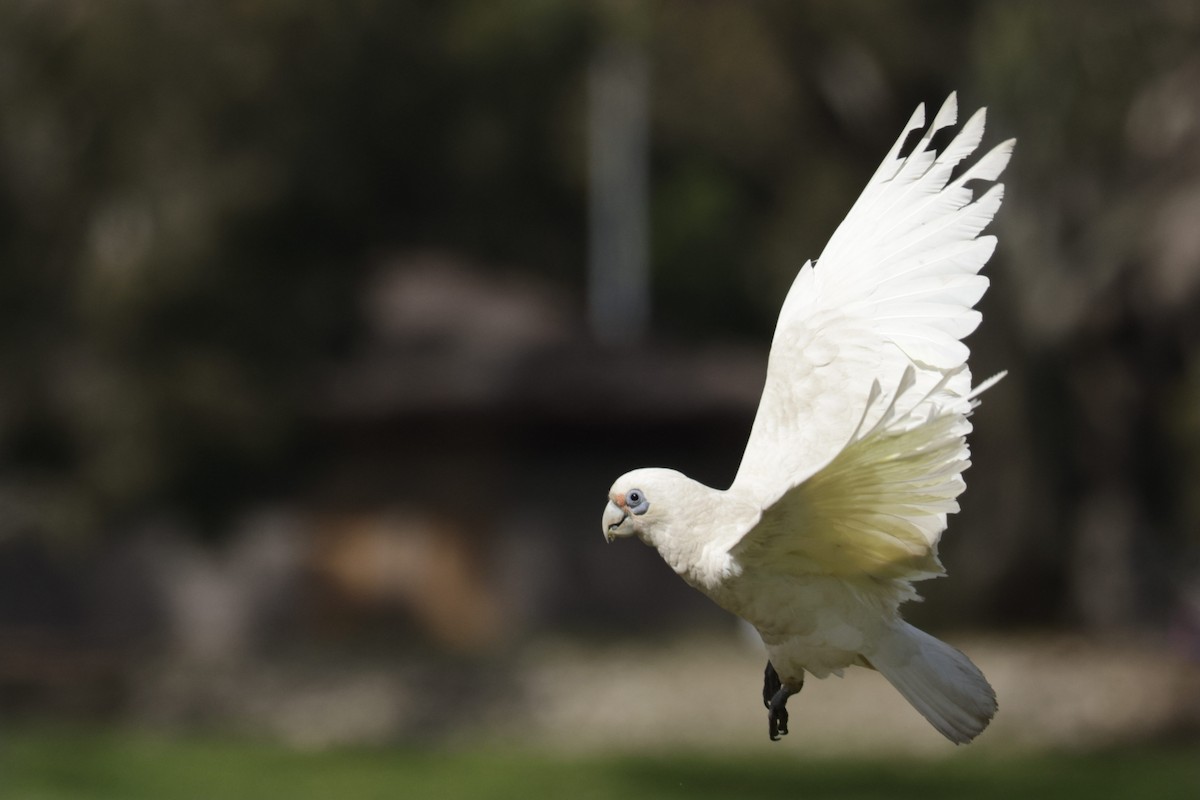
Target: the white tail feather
(938, 680)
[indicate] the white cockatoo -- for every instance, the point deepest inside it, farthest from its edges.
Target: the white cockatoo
(858, 447)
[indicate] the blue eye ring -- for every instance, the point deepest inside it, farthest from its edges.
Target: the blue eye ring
(637, 502)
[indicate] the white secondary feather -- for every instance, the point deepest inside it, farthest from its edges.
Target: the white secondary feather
(857, 452)
(876, 510)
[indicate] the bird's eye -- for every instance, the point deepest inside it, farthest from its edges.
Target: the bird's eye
(637, 502)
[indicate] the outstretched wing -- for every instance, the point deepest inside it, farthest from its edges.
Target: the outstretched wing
(894, 288)
(858, 446)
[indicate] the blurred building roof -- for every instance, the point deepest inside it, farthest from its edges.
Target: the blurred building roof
(448, 336)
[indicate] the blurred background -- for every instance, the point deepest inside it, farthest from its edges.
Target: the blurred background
(324, 329)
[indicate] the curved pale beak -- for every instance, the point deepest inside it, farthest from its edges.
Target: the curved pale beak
(614, 518)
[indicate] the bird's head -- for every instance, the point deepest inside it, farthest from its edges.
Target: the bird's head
(638, 502)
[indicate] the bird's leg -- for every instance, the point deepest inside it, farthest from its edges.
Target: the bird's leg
(775, 696)
(771, 684)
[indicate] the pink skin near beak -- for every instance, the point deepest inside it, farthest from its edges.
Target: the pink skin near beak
(615, 514)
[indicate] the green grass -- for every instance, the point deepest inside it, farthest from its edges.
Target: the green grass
(57, 766)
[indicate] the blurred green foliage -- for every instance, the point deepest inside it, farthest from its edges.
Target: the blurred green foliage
(80, 766)
(190, 197)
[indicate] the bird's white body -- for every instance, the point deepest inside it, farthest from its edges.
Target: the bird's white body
(856, 453)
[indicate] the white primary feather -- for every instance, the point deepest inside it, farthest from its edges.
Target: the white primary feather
(894, 288)
(856, 454)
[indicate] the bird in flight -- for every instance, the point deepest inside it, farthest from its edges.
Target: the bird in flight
(857, 451)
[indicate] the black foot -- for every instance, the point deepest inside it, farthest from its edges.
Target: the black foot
(777, 715)
(775, 697)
